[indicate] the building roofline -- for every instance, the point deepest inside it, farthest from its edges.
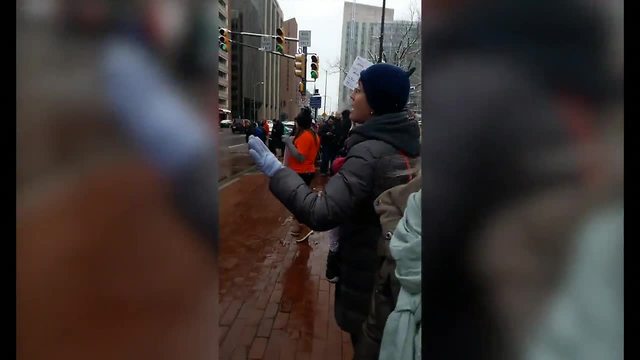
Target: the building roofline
(367, 5)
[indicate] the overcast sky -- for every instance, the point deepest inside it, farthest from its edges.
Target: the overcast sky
(324, 19)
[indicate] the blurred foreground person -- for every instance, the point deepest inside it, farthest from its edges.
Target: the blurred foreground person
(513, 93)
(116, 208)
(585, 316)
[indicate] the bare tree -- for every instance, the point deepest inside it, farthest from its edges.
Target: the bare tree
(405, 53)
(408, 50)
(336, 67)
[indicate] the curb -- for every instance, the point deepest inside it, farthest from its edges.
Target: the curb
(227, 181)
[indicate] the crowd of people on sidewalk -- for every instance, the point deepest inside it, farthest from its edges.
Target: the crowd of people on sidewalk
(378, 155)
(497, 233)
(501, 215)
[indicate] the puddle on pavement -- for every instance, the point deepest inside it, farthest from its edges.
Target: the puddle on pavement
(299, 297)
(249, 222)
(253, 226)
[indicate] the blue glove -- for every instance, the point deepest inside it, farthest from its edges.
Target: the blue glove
(264, 159)
(150, 110)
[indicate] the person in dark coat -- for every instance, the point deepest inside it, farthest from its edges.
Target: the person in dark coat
(343, 130)
(385, 143)
(259, 132)
(275, 141)
(250, 130)
(329, 141)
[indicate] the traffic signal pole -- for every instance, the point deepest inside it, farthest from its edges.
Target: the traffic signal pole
(261, 35)
(258, 48)
(304, 79)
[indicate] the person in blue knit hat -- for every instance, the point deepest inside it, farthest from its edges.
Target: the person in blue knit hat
(386, 87)
(387, 91)
(381, 152)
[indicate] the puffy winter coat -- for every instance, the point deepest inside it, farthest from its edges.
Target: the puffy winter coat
(379, 151)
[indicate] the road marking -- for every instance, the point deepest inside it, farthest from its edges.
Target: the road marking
(232, 146)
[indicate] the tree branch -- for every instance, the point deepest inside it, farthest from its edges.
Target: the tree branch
(372, 57)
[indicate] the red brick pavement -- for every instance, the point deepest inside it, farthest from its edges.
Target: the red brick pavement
(275, 301)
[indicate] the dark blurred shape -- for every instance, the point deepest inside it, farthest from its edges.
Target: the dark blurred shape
(516, 97)
(115, 253)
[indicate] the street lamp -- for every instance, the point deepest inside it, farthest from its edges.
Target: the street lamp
(254, 99)
(325, 102)
(326, 76)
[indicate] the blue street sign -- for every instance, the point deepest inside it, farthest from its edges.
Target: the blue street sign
(315, 102)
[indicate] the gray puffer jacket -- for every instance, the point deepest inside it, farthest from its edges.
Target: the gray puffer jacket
(379, 152)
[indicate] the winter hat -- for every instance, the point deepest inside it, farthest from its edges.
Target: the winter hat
(386, 87)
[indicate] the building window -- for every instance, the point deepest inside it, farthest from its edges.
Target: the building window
(222, 75)
(222, 60)
(222, 18)
(222, 88)
(224, 4)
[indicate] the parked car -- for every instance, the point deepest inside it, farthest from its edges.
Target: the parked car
(239, 126)
(288, 128)
(225, 123)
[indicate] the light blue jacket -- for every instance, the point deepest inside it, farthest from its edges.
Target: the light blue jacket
(586, 320)
(403, 331)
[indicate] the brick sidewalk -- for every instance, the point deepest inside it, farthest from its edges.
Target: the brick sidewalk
(275, 300)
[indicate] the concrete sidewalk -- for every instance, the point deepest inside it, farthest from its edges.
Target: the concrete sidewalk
(275, 302)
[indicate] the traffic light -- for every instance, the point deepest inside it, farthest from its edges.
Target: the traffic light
(315, 67)
(225, 40)
(280, 40)
(301, 65)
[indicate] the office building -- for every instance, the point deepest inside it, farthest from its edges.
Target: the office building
(356, 39)
(224, 75)
(255, 80)
(289, 94)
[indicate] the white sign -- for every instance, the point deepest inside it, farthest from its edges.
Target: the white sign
(267, 43)
(304, 38)
(359, 64)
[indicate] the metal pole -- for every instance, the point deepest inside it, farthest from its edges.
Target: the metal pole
(255, 115)
(259, 48)
(325, 91)
(325, 99)
(261, 35)
(384, 5)
(304, 80)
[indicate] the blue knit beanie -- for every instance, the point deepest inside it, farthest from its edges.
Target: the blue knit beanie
(386, 87)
